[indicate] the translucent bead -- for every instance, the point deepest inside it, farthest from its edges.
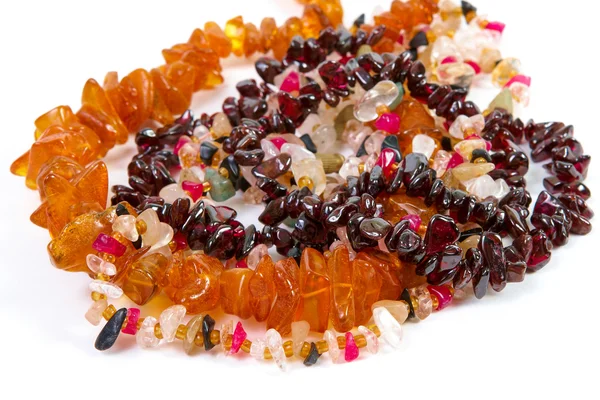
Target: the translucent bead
(464, 126)
(440, 162)
(520, 93)
(505, 70)
(350, 167)
(106, 288)
(503, 100)
(485, 186)
(297, 152)
(399, 309)
(275, 346)
(194, 326)
(221, 125)
(310, 123)
(488, 59)
(423, 144)
(466, 171)
(170, 319)
(332, 343)
(323, 137)
(255, 255)
(355, 134)
(257, 349)
(269, 148)
(94, 313)
(145, 336)
(201, 133)
(151, 222)
(226, 331)
(391, 330)
(383, 93)
(300, 331)
(313, 169)
(372, 341)
(456, 73)
(374, 141)
(165, 235)
(99, 266)
(125, 225)
(444, 47)
(466, 147)
(425, 304)
(221, 187)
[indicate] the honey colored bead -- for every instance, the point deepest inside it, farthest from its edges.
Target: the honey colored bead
(236, 32)
(98, 296)
(366, 284)
(425, 304)
(181, 332)
(288, 348)
(61, 166)
(288, 296)
(158, 331)
(252, 40)
(194, 327)
(398, 308)
(141, 283)
(217, 39)
(342, 296)
(375, 329)
(268, 33)
(246, 346)
(465, 171)
(360, 341)
(505, 70)
(133, 98)
(235, 292)
(322, 346)
(314, 287)
(341, 342)
(388, 267)
(109, 312)
(262, 288)
(488, 60)
(290, 28)
(215, 337)
(305, 349)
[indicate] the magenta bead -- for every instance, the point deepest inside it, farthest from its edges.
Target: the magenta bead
(108, 244)
(239, 335)
(386, 160)
(455, 160)
(278, 142)
(496, 26)
(351, 351)
(196, 190)
(133, 315)
(388, 122)
(443, 295)
(180, 143)
(524, 79)
(414, 221)
(474, 65)
(449, 60)
(291, 83)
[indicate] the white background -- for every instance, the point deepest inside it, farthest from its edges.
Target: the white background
(538, 338)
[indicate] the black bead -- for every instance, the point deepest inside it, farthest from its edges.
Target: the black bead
(420, 39)
(207, 152)
(208, 324)
(310, 145)
(109, 334)
(480, 153)
(406, 297)
(313, 353)
(391, 142)
(360, 21)
(467, 8)
(446, 143)
(121, 210)
(361, 150)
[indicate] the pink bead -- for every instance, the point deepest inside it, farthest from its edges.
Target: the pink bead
(388, 122)
(443, 295)
(196, 190)
(278, 142)
(495, 26)
(108, 244)
(133, 314)
(449, 60)
(414, 220)
(241, 264)
(351, 351)
(524, 79)
(181, 241)
(475, 66)
(239, 335)
(182, 141)
(386, 160)
(455, 160)
(291, 83)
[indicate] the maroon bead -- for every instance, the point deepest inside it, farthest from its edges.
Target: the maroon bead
(273, 167)
(480, 271)
(393, 238)
(271, 187)
(553, 185)
(575, 204)
(490, 246)
(274, 213)
(333, 74)
(268, 68)
(178, 213)
(514, 222)
(441, 231)
(221, 243)
(308, 231)
(540, 253)
(341, 215)
(515, 265)
(220, 214)
(249, 158)
(580, 224)
(248, 87)
(290, 106)
(463, 275)
(312, 206)
(374, 228)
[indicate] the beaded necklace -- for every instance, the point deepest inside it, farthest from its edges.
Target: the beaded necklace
(394, 232)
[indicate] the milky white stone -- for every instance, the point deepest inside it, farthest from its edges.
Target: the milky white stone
(423, 144)
(300, 331)
(350, 167)
(275, 345)
(106, 288)
(269, 148)
(391, 330)
(173, 192)
(145, 336)
(94, 313)
(150, 236)
(323, 137)
(170, 319)
(125, 225)
(297, 152)
(257, 349)
(332, 343)
(313, 169)
(165, 235)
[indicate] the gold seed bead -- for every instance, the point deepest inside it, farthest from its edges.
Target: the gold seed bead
(267, 354)
(172, 246)
(108, 257)
(360, 340)
(109, 312)
(322, 346)
(97, 296)
(341, 342)
(414, 302)
(139, 323)
(305, 349)
(361, 167)
(375, 329)
(158, 331)
(227, 344)
(305, 181)
(246, 346)
(479, 160)
(118, 237)
(382, 109)
(181, 332)
(124, 324)
(102, 277)
(224, 172)
(215, 337)
(434, 302)
(288, 348)
(430, 36)
(141, 226)
(199, 339)
(206, 186)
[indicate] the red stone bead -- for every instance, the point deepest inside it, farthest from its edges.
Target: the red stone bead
(443, 295)
(108, 244)
(540, 253)
(386, 161)
(441, 231)
(351, 352)
(133, 314)
(239, 335)
(196, 190)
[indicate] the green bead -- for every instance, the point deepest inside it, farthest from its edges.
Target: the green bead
(502, 100)
(396, 102)
(221, 188)
(364, 49)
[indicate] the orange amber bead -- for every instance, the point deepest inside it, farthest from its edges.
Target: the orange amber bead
(235, 292)
(366, 284)
(262, 289)
(142, 280)
(342, 295)
(268, 33)
(60, 166)
(236, 32)
(252, 41)
(217, 39)
(288, 296)
(175, 101)
(387, 265)
(315, 292)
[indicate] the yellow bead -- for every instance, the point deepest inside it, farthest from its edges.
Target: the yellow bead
(215, 337)
(141, 226)
(360, 340)
(341, 342)
(97, 296)
(288, 348)
(505, 70)
(322, 346)
(375, 329)
(305, 181)
(224, 172)
(158, 331)
(246, 346)
(109, 312)
(181, 332)
(206, 186)
(305, 349)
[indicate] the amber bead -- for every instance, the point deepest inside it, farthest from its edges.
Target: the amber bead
(340, 270)
(219, 42)
(262, 288)
(322, 346)
(235, 292)
(133, 97)
(285, 277)
(143, 279)
(366, 285)
(388, 267)
(314, 287)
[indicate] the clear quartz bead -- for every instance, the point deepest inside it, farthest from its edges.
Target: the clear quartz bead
(332, 343)
(423, 144)
(125, 225)
(350, 167)
(370, 161)
(355, 134)
(145, 336)
(226, 330)
(275, 345)
(108, 289)
(505, 70)
(464, 126)
(173, 192)
(99, 266)
(221, 125)
(383, 93)
(300, 331)
(374, 142)
(391, 330)
(440, 162)
(323, 137)
(456, 73)
(269, 148)
(255, 255)
(297, 152)
(444, 47)
(150, 219)
(466, 147)
(310, 123)
(313, 169)
(425, 304)
(170, 319)
(165, 235)
(372, 341)
(520, 93)
(94, 313)
(201, 133)
(399, 309)
(257, 349)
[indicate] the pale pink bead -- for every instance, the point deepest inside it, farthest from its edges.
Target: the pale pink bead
(291, 83)
(374, 142)
(382, 246)
(372, 341)
(520, 93)
(94, 313)
(342, 234)
(300, 331)
(108, 289)
(257, 349)
(99, 266)
(201, 133)
(145, 336)
(270, 149)
(255, 255)
(334, 349)
(170, 319)
(414, 221)
(440, 162)
(226, 330)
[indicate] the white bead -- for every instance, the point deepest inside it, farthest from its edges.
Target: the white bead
(275, 345)
(485, 186)
(423, 144)
(94, 314)
(350, 167)
(145, 336)
(383, 93)
(372, 341)
(173, 192)
(165, 235)
(170, 319)
(323, 137)
(257, 349)
(99, 266)
(125, 225)
(310, 122)
(269, 148)
(300, 331)
(106, 288)
(150, 218)
(391, 330)
(297, 152)
(313, 169)
(332, 343)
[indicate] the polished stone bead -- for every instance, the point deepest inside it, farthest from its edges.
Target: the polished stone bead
(94, 314)
(193, 327)
(540, 253)
(109, 334)
(334, 349)
(275, 345)
(441, 231)
(313, 355)
(399, 309)
(315, 290)
(208, 324)
(391, 330)
(491, 249)
(145, 336)
(342, 296)
(273, 167)
(287, 298)
(170, 319)
(515, 265)
(424, 301)
(375, 228)
(351, 351)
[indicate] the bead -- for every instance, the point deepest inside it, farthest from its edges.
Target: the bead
(505, 70)
(388, 122)
(107, 244)
(397, 308)
(342, 297)
(492, 250)
(351, 351)
(503, 101)
(425, 304)
(443, 295)
(275, 346)
(423, 144)
(208, 324)
(221, 187)
(314, 286)
(169, 320)
(262, 288)
(324, 138)
(109, 334)
(255, 255)
(194, 326)
(332, 345)
(287, 296)
(235, 293)
(94, 314)
(109, 289)
(467, 171)
(145, 336)
(441, 231)
(456, 73)
(125, 225)
(99, 266)
(257, 349)
(109, 312)
(391, 330)
(133, 314)
(372, 340)
(312, 356)
(141, 282)
(300, 330)
(383, 93)
(239, 336)
(226, 337)
(313, 169)
(296, 151)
